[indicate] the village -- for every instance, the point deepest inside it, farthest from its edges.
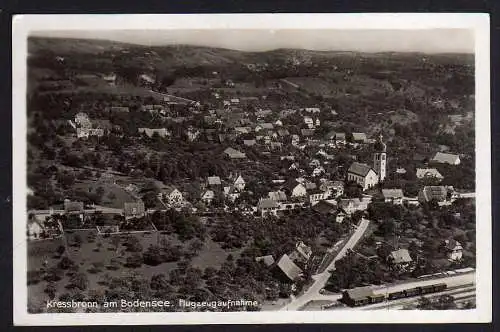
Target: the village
(256, 170)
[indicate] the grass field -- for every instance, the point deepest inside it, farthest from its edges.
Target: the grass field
(114, 196)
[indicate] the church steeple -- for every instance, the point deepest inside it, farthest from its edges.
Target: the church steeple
(379, 158)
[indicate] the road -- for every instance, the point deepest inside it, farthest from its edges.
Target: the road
(321, 278)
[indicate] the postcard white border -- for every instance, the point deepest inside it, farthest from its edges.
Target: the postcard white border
(479, 23)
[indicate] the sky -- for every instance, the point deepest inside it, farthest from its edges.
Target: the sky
(427, 41)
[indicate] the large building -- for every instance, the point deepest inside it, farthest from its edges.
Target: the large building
(366, 176)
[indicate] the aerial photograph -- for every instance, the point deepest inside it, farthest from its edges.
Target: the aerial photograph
(250, 170)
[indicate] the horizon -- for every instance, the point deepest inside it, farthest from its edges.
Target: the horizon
(432, 41)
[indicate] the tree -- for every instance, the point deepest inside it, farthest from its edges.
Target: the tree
(134, 261)
(65, 263)
(78, 240)
(50, 290)
(159, 282)
(79, 280)
(152, 256)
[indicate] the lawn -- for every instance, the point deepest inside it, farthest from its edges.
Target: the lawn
(212, 255)
(113, 195)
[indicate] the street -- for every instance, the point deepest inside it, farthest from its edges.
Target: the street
(321, 278)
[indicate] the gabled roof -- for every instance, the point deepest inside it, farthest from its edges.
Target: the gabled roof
(266, 203)
(400, 256)
(233, 153)
(214, 180)
(437, 193)
(283, 132)
(359, 136)
(453, 244)
(340, 136)
(446, 158)
(359, 169)
(268, 260)
(249, 142)
(325, 207)
(288, 267)
(392, 193)
(307, 132)
(428, 173)
(277, 195)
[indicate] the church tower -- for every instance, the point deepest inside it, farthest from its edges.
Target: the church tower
(380, 159)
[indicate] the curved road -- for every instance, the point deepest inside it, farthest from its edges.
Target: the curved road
(321, 278)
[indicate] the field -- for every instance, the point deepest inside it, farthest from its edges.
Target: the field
(113, 195)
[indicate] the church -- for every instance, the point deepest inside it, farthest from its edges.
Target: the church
(368, 176)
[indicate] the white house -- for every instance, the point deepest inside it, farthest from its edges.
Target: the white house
(170, 195)
(394, 196)
(35, 230)
(453, 249)
(208, 196)
(296, 189)
(267, 207)
(309, 122)
(426, 173)
(238, 182)
(318, 171)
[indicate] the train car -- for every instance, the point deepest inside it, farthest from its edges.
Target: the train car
(396, 295)
(412, 292)
(440, 287)
(426, 289)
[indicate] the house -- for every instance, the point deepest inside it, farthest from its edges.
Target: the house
(110, 79)
(238, 182)
(301, 254)
(401, 171)
(267, 207)
(267, 260)
(363, 175)
(73, 207)
(234, 101)
(170, 195)
(312, 110)
(278, 196)
(317, 123)
(192, 134)
(242, 130)
(35, 229)
(446, 158)
(400, 260)
(453, 249)
(427, 173)
(359, 137)
(295, 189)
(350, 205)
(340, 138)
(208, 196)
(314, 163)
(309, 122)
(360, 295)
(82, 120)
(263, 113)
(295, 140)
(278, 123)
(341, 214)
(316, 196)
(318, 171)
(249, 142)
(234, 154)
(325, 207)
(307, 133)
(394, 196)
(275, 146)
(146, 79)
(214, 181)
(334, 188)
(287, 270)
(150, 132)
(133, 209)
(433, 193)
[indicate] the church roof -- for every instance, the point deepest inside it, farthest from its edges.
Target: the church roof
(359, 169)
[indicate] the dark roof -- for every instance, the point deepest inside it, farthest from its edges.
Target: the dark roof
(325, 207)
(288, 267)
(400, 256)
(359, 169)
(392, 193)
(437, 193)
(268, 260)
(267, 204)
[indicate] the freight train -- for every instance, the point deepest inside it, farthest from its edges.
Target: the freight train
(364, 295)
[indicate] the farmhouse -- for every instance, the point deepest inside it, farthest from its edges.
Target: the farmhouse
(295, 189)
(214, 181)
(301, 254)
(325, 207)
(170, 194)
(446, 158)
(208, 196)
(350, 205)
